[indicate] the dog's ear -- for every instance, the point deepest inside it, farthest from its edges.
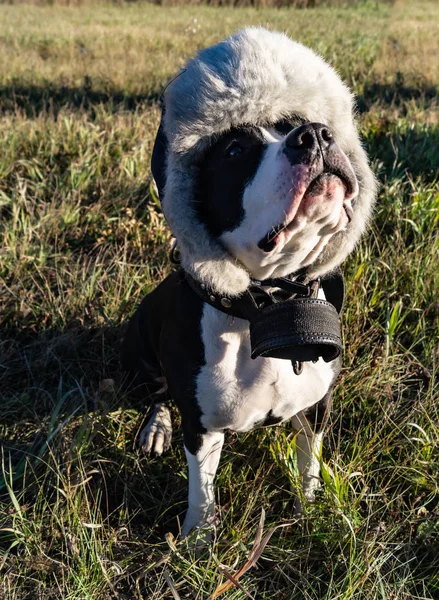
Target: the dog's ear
(158, 159)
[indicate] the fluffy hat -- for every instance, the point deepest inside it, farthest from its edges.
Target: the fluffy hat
(254, 77)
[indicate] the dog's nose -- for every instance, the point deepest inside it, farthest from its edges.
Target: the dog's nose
(304, 141)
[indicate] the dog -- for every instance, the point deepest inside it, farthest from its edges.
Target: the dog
(267, 189)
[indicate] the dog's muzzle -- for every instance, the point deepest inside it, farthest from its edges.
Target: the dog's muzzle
(287, 321)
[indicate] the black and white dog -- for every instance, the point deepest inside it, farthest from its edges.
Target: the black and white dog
(267, 189)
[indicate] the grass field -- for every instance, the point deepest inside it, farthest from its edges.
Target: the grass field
(83, 515)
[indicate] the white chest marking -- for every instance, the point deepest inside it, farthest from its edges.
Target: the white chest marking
(236, 392)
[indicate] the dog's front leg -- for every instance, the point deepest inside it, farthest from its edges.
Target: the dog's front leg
(203, 464)
(309, 450)
(309, 441)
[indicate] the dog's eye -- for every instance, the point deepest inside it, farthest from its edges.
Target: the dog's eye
(235, 149)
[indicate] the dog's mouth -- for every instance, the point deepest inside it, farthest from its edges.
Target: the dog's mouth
(269, 241)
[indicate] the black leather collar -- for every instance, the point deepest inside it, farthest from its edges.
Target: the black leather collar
(287, 320)
(281, 289)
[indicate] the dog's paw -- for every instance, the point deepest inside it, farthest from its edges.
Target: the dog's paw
(310, 488)
(156, 436)
(199, 525)
(198, 537)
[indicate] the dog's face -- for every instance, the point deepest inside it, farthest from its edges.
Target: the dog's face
(275, 195)
(259, 163)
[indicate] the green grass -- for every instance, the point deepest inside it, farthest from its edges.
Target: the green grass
(82, 514)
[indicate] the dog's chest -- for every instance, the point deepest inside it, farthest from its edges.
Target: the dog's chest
(238, 393)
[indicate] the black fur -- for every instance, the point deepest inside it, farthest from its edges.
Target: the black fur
(164, 336)
(225, 170)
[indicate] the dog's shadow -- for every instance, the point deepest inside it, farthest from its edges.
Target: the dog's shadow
(68, 410)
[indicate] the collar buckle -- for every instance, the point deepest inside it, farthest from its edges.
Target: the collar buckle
(306, 290)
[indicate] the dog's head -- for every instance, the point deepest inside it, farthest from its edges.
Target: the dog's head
(259, 164)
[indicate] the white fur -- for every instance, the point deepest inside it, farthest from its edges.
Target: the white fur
(202, 470)
(235, 392)
(309, 452)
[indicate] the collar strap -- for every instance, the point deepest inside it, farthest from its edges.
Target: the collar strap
(256, 297)
(283, 288)
(288, 321)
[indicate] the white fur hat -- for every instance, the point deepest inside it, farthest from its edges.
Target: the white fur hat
(254, 77)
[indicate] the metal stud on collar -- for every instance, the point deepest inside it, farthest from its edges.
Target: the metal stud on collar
(297, 367)
(174, 255)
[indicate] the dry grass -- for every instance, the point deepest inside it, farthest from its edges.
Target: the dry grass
(214, 3)
(82, 514)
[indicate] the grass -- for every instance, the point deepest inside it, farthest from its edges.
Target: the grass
(82, 513)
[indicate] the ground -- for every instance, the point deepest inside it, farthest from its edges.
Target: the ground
(83, 514)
